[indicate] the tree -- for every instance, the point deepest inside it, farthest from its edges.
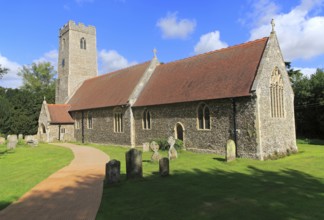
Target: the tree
(3, 71)
(39, 79)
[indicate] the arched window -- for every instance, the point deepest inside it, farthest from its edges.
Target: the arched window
(146, 120)
(118, 121)
(89, 120)
(276, 94)
(83, 43)
(203, 115)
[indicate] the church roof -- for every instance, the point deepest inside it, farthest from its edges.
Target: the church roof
(224, 73)
(59, 113)
(107, 90)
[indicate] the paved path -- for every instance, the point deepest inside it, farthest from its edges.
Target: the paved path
(74, 192)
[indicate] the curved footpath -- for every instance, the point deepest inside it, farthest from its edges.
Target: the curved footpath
(74, 192)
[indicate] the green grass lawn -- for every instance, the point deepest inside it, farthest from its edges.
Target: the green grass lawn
(24, 167)
(203, 186)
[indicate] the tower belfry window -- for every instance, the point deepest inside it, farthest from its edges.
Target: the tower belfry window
(83, 43)
(276, 94)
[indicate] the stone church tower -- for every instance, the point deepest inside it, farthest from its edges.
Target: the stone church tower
(77, 60)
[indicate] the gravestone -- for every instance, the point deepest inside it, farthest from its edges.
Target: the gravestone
(164, 166)
(173, 154)
(31, 140)
(134, 164)
(20, 136)
(2, 140)
(230, 150)
(155, 148)
(112, 172)
(12, 142)
(146, 147)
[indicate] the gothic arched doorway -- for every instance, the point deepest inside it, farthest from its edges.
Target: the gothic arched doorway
(43, 129)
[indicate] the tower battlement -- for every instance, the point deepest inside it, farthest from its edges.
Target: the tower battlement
(80, 27)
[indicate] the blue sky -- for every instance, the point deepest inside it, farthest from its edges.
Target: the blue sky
(128, 30)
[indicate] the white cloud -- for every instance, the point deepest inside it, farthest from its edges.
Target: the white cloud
(306, 71)
(51, 56)
(208, 42)
(111, 60)
(172, 27)
(300, 34)
(11, 79)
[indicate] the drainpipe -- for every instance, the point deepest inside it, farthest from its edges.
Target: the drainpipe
(82, 127)
(59, 137)
(234, 125)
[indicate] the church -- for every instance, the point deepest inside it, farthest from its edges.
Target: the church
(242, 93)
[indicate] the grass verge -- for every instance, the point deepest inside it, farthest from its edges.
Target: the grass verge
(203, 186)
(22, 168)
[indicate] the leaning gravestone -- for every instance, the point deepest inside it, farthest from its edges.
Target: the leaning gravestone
(146, 147)
(12, 142)
(164, 166)
(173, 154)
(155, 148)
(134, 164)
(112, 172)
(230, 150)
(2, 140)
(20, 136)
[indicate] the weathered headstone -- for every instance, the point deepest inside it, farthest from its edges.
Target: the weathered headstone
(146, 147)
(230, 150)
(155, 148)
(164, 166)
(12, 142)
(173, 154)
(20, 136)
(31, 140)
(2, 140)
(112, 172)
(134, 164)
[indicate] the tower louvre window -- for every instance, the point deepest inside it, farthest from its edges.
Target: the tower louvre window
(83, 43)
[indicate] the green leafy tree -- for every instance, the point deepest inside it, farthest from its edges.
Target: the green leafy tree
(39, 79)
(3, 71)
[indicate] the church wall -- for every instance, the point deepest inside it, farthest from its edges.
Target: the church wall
(276, 135)
(165, 117)
(103, 127)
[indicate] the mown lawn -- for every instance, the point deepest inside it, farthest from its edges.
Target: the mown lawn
(24, 167)
(203, 186)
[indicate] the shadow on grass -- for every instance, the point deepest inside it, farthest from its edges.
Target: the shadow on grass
(258, 194)
(62, 201)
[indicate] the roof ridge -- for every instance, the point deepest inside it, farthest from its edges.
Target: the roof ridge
(221, 49)
(116, 71)
(60, 104)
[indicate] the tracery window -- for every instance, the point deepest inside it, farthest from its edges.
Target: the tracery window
(146, 120)
(83, 43)
(276, 94)
(118, 121)
(89, 120)
(203, 115)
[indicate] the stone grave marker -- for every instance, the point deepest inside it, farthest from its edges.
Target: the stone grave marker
(2, 140)
(230, 150)
(155, 148)
(20, 136)
(164, 166)
(12, 142)
(112, 172)
(173, 154)
(146, 147)
(134, 164)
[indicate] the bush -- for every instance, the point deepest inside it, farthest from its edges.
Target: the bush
(164, 145)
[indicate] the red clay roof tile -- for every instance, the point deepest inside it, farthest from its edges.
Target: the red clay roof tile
(59, 113)
(223, 73)
(111, 89)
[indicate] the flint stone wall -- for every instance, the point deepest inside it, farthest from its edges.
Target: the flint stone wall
(165, 117)
(103, 127)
